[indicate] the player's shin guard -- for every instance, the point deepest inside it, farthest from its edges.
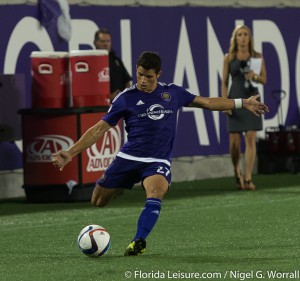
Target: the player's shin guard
(148, 218)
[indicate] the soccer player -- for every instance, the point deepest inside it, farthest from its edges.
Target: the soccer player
(149, 109)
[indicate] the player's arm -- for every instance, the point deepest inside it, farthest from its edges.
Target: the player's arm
(90, 137)
(221, 104)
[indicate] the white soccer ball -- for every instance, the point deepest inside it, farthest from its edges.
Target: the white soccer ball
(93, 240)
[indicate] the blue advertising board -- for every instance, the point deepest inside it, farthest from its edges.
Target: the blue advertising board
(192, 42)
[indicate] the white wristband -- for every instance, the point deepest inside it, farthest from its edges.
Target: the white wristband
(238, 103)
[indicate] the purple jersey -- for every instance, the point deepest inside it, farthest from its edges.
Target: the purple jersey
(151, 120)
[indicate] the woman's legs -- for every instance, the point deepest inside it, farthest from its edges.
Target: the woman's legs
(250, 155)
(235, 153)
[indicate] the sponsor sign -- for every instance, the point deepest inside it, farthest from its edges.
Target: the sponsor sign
(192, 42)
(42, 147)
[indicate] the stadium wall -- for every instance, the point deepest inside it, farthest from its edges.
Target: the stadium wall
(192, 57)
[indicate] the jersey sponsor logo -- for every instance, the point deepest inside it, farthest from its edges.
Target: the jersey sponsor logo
(156, 112)
(102, 154)
(42, 147)
(166, 96)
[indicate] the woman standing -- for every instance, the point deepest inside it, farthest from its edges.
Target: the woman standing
(240, 122)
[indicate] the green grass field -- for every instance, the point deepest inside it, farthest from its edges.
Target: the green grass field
(206, 227)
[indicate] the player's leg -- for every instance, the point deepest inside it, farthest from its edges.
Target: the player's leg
(101, 195)
(250, 153)
(235, 153)
(156, 186)
(118, 174)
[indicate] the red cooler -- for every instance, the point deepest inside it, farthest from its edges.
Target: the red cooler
(90, 83)
(50, 79)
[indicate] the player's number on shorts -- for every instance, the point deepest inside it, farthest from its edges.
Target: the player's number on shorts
(163, 170)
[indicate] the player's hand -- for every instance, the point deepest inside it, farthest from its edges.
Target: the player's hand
(61, 159)
(252, 104)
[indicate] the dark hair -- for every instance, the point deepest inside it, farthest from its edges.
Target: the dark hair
(102, 30)
(149, 60)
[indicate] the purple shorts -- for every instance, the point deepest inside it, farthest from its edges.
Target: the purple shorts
(123, 173)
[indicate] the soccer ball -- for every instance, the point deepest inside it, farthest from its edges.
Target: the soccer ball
(93, 240)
